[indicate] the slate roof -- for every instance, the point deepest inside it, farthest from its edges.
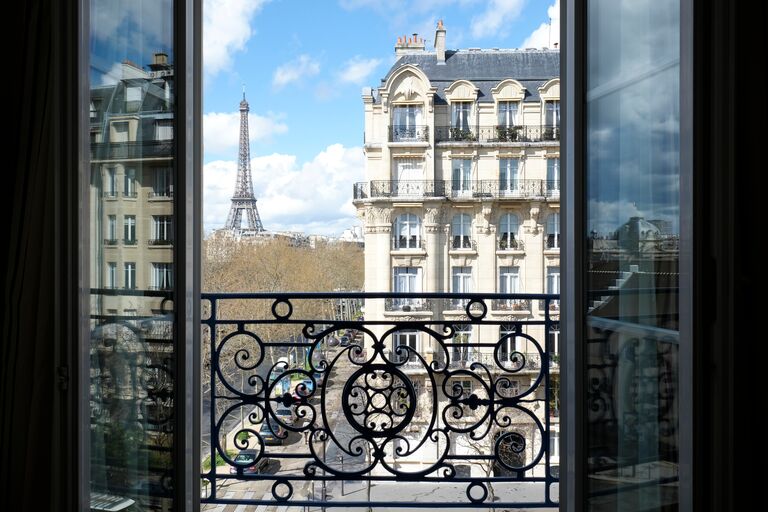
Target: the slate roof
(486, 68)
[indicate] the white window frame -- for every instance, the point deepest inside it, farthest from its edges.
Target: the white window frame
(162, 227)
(162, 276)
(129, 228)
(162, 182)
(553, 231)
(129, 182)
(461, 283)
(508, 112)
(111, 227)
(406, 280)
(552, 114)
(407, 338)
(111, 275)
(509, 176)
(553, 176)
(407, 231)
(553, 280)
(110, 182)
(509, 227)
(461, 115)
(407, 120)
(461, 231)
(129, 275)
(461, 176)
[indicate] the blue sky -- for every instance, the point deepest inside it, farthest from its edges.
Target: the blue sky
(303, 63)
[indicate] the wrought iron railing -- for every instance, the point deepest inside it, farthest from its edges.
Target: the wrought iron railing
(371, 423)
(498, 133)
(132, 150)
(514, 244)
(523, 305)
(409, 133)
(159, 241)
(463, 242)
(407, 304)
(160, 194)
(403, 243)
(501, 189)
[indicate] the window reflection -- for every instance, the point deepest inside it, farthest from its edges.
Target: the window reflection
(632, 175)
(131, 255)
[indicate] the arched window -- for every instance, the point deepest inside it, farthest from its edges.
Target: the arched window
(460, 231)
(407, 232)
(553, 231)
(508, 226)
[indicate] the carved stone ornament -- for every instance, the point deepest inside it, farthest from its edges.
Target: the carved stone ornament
(377, 230)
(378, 215)
(432, 215)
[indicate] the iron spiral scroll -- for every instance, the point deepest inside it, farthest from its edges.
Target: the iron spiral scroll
(470, 416)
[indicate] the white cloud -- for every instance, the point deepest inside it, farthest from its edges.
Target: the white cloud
(295, 70)
(548, 33)
(357, 69)
(314, 197)
(221, 130)
(497, 15)
(226, 30)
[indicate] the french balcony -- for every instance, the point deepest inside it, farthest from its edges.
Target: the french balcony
(348, 441)
(130, 194)
(463, 243)
(470, 189)
(163, 194)
(130, 241)
(407, 304)
(514, 305)
(409, 133)
(510, 245)
(498, 133)
(552, 189)
(553, 306)
(159, 241)
(496, 189)
(552, 241)
(110, 241)
(411, 243)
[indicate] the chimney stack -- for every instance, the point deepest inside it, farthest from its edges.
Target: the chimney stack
(440, 42)
(407, 44)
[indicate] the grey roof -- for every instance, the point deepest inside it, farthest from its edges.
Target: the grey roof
(486, 68)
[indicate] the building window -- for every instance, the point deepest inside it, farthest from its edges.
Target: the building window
(460, 116)
(407, 231)
(162, 276)
(554, 443)
(461, 353)
(553, 280)
(460, 231)
(553, 345)
(552, 113)
(509, 174)
(111, 275)
(162, 185)
(132, 98)
(405, 339)
(162, 229)
(110, 182)
(508, 114)
(111, 235)
(461, 174)
(407, 123)
(461, 283)
(509, 280)
(129, 230)
(507, 342)
(509, 224)
(553, 177)
(119, 131)
(129, 275)
(164, 129)
(553, 231)
(129, 182)
(406, 280)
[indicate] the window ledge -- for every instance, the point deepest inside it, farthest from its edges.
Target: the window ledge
(462, 252)
(512, 252)
(408, 252)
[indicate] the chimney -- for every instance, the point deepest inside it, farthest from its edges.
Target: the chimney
(160, 58)
(407, 44)
(440, 42)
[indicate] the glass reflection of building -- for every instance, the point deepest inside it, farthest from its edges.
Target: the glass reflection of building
(131, 207)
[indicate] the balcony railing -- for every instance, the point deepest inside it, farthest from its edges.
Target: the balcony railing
(497, 133)
(473, 189)
(110, 241)
(412, 133)
(523, 305)
(554, 306)
(405, 243)
(160, 194)
(159, 241)
(130, 241)
(374, 423)
(407, 305)
(459, 243)
(132, 150)
(511, 245)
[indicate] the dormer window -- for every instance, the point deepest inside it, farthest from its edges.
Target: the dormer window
(507, 115)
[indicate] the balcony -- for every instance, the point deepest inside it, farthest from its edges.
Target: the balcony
(159, 241)
(373, 424)
(463, 243)
(130, 241)
(131, 194)
(412, 133)
(160, 194)
(510, 245)
(132, 150)
(407, 305)
(398, 188)
(110, 241)
(411, 243)
(514, 305)
(554, 306)
(498, 134)
(552, 189)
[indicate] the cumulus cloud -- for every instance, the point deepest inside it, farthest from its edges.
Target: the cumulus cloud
(226, 30)
(357, 69)
(547, 34)
(495, 17)
(295, 70)
(314, 196)
(221, 130)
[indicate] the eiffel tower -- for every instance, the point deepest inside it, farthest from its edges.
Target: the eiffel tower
(243, 200)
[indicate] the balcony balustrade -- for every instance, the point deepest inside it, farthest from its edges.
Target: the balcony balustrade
(379, 414)
(497, 133)
(404, 243)
(523, 305)
(471, 189)
(409, 133)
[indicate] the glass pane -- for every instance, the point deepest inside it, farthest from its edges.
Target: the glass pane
(131, 276)
(633, 175)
